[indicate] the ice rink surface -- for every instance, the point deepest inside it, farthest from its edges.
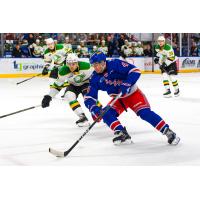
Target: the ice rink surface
(26, 137)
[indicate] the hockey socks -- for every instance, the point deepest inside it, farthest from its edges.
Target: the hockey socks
(154, 119)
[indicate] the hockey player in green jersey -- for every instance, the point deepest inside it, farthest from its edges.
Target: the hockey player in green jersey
(166, 59)
(77, 74)
(54, 58)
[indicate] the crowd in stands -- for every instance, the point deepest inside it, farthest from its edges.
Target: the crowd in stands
(190, 43)
(113, 45)
(23, 45)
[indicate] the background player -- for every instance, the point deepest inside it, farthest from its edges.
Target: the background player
(54, 58)
(165, 57)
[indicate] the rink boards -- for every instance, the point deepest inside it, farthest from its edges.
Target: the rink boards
(27, 67)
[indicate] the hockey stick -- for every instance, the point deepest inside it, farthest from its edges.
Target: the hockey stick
(122, 104)
(19, 111)
(28, 79)
(65, 153)
(52, 63)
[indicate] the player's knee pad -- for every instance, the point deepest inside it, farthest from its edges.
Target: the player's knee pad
(173, 78)
(165, 76)
(70, 96)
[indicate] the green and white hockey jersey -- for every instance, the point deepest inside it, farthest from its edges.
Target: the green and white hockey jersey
(57, 56)
(67, 45)
(76, 78)
(37, 50)
(166, 54)
(104, 49)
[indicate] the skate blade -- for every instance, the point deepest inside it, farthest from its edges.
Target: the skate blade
(117, 143)
(167, 96)
(83, 124)
(176, 141)
(177, 95)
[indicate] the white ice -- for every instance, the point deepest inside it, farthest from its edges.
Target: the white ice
(26, 137)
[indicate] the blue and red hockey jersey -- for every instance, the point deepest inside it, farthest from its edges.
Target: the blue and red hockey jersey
(117, 73)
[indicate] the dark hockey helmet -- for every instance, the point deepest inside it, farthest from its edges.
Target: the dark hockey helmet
(97, 57)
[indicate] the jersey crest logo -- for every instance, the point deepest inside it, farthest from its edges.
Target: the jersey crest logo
(102, 79)
(125, 64)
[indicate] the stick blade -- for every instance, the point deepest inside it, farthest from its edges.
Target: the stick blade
(59, 154)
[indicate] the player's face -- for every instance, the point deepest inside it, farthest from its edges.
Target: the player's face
(51, 46)
(72, 66)
(161, 43)
(99, 67)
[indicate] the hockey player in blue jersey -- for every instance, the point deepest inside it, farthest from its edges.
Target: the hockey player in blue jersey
(117, 76)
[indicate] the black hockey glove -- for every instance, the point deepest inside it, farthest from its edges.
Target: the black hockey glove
(46, 101)
(45, 71)
(163, 67)
(156, 60)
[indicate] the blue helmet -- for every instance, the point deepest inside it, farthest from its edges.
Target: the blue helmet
(97, 57)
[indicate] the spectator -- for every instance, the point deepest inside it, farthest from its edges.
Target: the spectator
(126, 44)
(66, 44)
(126, 50)
(30, 39)
(133, 47)
(17, 53)
(61, 37)
(111, 45)
(116, 51)
(121, 41)
(94, 50)
(139, 49)
(36, 49)
(9, 36)
(8, 45)
(25, 49)
(148, 50)
(177, 51)
(84, 49)
(194, 49)
(78, 51)
(103, 47)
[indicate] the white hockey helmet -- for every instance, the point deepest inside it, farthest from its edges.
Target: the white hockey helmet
(71, 58)
(37, 41)
(49, 41)
(134, 44)
(161, 38)
(126, 42)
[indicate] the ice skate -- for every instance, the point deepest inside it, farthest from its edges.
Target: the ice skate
(177, 93)
(122, 137)
(172, 138)
(167, 94)
(83, 121)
